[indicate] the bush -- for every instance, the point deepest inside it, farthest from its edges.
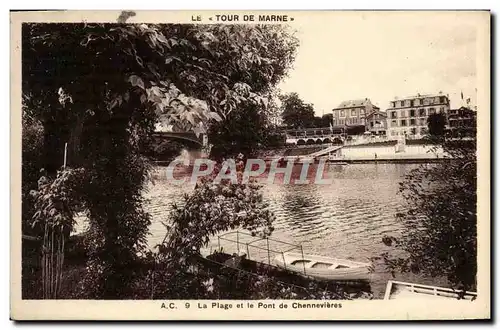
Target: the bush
(441, 217)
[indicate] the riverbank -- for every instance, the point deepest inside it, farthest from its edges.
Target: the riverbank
(210, 277)
(368, 153)
(387, 161)
(413, 151)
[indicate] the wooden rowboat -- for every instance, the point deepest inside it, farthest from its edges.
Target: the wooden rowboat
(324, 268)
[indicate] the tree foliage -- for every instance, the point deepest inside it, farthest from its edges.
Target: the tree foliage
(32, 146)
(440, 222)
(245, 131)
(323, 121)
(101, 88)
(436, 124)
(214, 207)
(296, 113)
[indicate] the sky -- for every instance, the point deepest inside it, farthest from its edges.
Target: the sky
(383, 55)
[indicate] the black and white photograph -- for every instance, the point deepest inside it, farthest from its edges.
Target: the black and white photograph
(249, 162)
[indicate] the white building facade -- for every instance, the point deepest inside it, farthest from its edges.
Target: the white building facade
(407, 117)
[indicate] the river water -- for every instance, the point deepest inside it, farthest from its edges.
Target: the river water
(346, 218)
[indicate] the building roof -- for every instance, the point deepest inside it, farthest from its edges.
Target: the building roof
(354, 103)
(383, 113)
(464, 108)
(418, 96)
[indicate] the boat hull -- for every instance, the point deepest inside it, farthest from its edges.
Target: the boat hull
(348, 271)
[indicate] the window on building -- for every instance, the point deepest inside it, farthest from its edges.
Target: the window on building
(393, 104)
(411, 103)
(413, 131)
(404, 113)
(421, 112)
(422, 122)
(362, 120)
(403, 122)
(412, 113)
(412, 122)
(402, 103)
(418, 101)
(342, 113)
(394, 123)
(442, 99)
(353, 112)
(441, 109)
(394, 114)
(334, 122)
(362, 111)
(432, 111)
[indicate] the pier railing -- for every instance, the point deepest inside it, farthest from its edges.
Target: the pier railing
(249, 276)
(252, 244)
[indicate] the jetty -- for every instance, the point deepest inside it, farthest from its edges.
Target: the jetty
(244, 259)
(413, 291)
(386, 151)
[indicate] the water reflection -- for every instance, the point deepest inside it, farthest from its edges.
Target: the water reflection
(300, 203)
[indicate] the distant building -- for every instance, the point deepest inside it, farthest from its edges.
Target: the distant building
(376, 122)
(352, 113)
(408, 116)
(461, 122)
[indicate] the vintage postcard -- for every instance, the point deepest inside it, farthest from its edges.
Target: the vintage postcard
(300, 165)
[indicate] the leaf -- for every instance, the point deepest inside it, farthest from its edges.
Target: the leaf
(156, 91)
(264, 102)
(173, 42)
(144, 98)
(168, 60)
(214, 115)
(113, 103)
(190, 118)
(136, 81)
(162, 39)
(198, 130)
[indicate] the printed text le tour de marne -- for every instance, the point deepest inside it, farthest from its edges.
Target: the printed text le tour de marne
(244, 18)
